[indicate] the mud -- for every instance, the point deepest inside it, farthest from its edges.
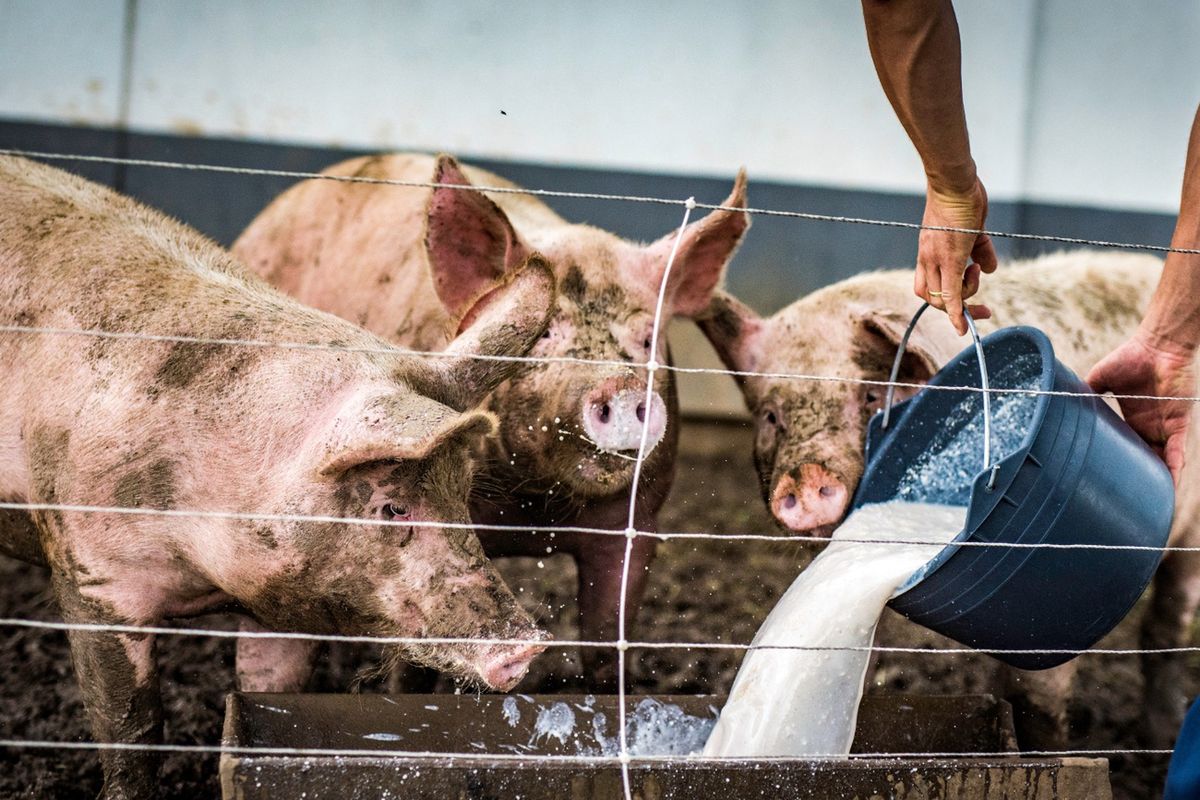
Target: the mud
(699, 591)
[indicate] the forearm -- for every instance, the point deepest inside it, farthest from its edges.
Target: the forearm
(1173, 320)
(915, 47)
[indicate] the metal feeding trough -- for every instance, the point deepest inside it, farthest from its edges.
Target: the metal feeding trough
(507, 738)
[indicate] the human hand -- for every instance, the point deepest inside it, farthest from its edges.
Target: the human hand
(949, 264)
(1140, 367)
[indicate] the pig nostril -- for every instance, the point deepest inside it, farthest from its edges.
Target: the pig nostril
(603, 413)
(641, 412)
(789, 501)
(827, 491)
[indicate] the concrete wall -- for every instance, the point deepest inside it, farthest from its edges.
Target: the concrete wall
(1068, 102)
(1078, 112)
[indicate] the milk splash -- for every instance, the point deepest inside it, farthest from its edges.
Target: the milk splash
(805, 702)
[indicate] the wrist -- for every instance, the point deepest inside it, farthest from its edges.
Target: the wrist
(954, 183)
(1176, 335)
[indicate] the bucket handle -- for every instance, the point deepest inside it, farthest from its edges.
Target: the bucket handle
(983, 380)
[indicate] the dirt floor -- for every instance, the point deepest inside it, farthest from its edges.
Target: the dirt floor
(700, 591)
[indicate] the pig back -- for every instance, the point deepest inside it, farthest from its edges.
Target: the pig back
(357, 249)
(79, 257)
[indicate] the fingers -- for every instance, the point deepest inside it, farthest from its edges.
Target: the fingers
(979, 311)
(952, 296)
(1173, 454)
(920, 287)
(971, 281)
(983, 253)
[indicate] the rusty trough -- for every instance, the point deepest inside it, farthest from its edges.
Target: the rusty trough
(522, 728)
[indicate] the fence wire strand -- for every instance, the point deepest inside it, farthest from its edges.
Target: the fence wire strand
(248, 516)
(623, 758)
(540, 360)
(626, 198)
(1010, 758)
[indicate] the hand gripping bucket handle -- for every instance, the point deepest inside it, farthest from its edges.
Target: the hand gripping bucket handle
(983, 382)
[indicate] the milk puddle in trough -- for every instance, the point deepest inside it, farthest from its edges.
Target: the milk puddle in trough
(805, 702)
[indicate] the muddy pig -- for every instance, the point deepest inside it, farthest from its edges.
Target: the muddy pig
(273, 435)
(810, 434)
(408, 262)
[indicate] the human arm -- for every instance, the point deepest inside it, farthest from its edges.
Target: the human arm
(915, 47)
(1159, 359)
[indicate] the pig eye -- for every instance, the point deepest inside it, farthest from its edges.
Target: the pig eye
(546, 335)
(393, 511)
(646, 343)
(872, 397)
(772, 418)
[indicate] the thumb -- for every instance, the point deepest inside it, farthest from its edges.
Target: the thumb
(1100, 377)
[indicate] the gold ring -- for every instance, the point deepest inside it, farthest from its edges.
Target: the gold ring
(937, 294)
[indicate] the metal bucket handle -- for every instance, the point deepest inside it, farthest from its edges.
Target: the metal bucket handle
(983, 379)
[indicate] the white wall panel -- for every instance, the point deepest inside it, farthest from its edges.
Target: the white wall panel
(1116, 85)
(1067, 102)
(785, 87)
(61, 60)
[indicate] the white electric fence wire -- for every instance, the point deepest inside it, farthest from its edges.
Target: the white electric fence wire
(623, 758)
(631, 531)
(279, 173)
(216, 633)
(538, 360)
(248, 516)
(1010, 758)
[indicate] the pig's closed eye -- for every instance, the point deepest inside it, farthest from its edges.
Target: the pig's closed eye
(392, 511)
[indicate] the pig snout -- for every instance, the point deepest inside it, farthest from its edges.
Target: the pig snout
(504, 668)
(814, 498)
(613, 418)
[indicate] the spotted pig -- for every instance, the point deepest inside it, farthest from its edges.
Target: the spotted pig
(262, 437)
(408, 262)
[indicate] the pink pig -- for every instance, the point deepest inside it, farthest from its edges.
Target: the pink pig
(407, 263)
(273, 435)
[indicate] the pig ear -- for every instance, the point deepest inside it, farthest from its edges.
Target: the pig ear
(704, 250)
(399, 426)
(734, 330)
(470, 242)
(879, 334)
(504, 323)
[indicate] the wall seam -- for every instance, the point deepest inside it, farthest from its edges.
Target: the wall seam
(124, 97)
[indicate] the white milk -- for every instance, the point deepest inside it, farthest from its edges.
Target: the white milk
(805, 702)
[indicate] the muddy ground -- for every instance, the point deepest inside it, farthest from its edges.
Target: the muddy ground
(699, 591)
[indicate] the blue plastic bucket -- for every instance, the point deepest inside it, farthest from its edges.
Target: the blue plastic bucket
(1063, 470)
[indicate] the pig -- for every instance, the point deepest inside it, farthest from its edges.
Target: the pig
(276, 435)
(809, 435)
(406, 263)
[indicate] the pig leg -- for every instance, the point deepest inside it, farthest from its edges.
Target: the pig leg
(1168, 623)
(1039, 700)
(599, 560)
(273, 665)
(118, 678)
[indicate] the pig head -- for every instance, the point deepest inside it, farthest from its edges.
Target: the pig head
(565, 424)
(810, 434)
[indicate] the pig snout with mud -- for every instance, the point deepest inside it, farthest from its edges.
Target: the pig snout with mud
(407, 263)
(809, 434)
(283, 443)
